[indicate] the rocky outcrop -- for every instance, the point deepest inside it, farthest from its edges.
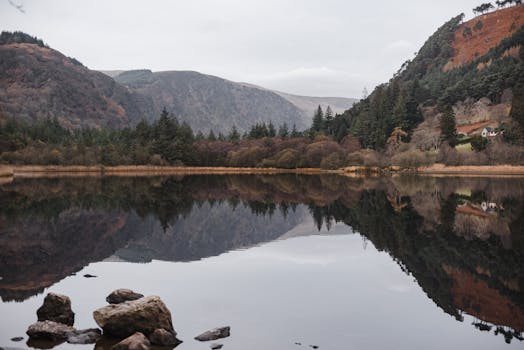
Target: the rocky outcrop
(163, 337)
(213, 334)
(49, 330)
(144, 315)
(137, 341)
(120, 295)
(56, 308)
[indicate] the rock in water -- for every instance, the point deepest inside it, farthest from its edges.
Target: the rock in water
(84, 336)
(49, 330)
(143, 315)
(163, 338)
(17, 339)
(56, 308)
(213, 334)
(216, 346)
(137, 341)
(120, 295)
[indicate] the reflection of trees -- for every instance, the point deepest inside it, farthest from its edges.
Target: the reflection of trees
(413, 219)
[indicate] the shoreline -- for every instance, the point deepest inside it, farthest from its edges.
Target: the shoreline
(22, 171)
(19, 171)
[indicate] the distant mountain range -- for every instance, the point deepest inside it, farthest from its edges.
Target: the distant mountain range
(38, 82)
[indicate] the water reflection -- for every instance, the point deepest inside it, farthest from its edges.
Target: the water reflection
(461, 239)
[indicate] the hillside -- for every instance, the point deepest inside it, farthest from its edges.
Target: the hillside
(37, 82)
(477, 36)
(475, 73)
(207, 102)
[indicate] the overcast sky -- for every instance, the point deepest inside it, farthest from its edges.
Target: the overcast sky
(310, 47)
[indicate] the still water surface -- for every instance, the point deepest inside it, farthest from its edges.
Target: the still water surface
(341, 263)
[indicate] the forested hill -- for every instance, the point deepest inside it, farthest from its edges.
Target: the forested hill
(463, 66)
(207, 102)
(37, 82)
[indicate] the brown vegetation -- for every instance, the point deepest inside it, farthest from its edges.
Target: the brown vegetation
(494, 27)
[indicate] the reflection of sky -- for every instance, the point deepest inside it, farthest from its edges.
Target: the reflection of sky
(323, 289)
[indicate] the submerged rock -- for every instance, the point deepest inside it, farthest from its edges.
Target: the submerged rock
(56, 308)
(216, 346)
(137, 341)
(49, 330)
(164, 338)
(84, 336)
(87, 275)
(213, 334)
(143, 315)
(17, 339)
(120, 295)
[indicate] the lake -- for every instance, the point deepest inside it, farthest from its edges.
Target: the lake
(288, 261)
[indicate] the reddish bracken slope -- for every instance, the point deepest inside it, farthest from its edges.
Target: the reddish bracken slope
(485, 31)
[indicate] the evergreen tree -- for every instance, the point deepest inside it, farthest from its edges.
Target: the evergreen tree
(328, 121)
(517, 108)
(318, 120)
(448, 127)
(271, 132)
(283, 131)
(233, 136)
(294, 132)
(211, 136)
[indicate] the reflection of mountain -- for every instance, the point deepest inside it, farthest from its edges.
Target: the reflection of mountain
(207, 231)
(50, 231)
(462, 239)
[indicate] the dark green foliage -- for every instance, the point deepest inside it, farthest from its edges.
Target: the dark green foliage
(517, 108)
(448, 127)
(479, 143)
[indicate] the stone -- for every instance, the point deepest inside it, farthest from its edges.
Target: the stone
(143, 315)
(120, 295)
(84, 336)
(87, 275)
(137, 341)
(216, 346)
(56, 308)
(49, 330)
(213, 334)
(17, 339)
(163, 338)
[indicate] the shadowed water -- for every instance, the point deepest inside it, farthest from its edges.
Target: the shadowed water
(336, 262)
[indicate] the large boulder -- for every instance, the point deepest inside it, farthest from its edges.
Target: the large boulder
(213, 334)
(137, 341)
(49, 330)
(143, 315)
(163, 338)
(120, 295)
(56, 308)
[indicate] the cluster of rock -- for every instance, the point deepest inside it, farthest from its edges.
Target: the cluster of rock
(137, 320)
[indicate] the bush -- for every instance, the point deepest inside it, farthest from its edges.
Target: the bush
(413, 158)
(333, 161)
(479, 143)
(315, 152)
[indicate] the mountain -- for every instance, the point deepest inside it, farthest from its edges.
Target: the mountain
(309, 104)
(207, 102)
(38, 82)
(473, 69)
